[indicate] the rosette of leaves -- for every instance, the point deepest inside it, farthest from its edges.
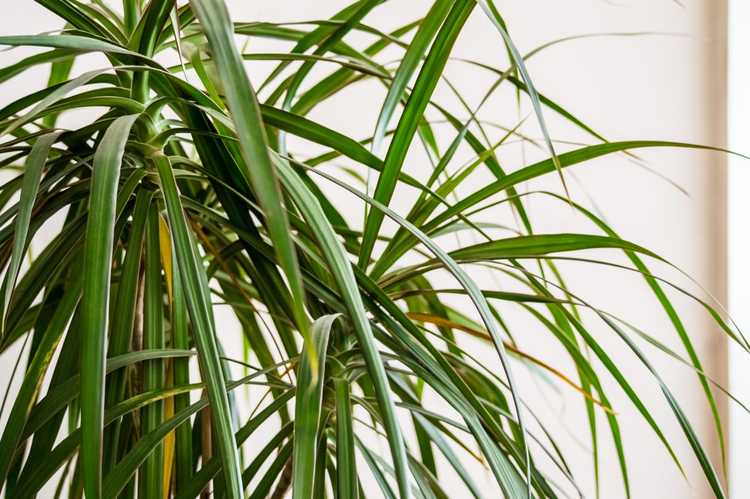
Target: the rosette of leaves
(180, 192)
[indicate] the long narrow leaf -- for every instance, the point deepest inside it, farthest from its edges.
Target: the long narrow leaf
(97, 267)
(307, 412)
(199, 306)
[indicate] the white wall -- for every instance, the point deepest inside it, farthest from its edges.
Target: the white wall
(738, 237)
(651, 86)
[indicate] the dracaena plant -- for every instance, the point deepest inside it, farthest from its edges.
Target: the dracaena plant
(182, 191)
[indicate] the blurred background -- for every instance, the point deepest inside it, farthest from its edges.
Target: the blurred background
(646, 69)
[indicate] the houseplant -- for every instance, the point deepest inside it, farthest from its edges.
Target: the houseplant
(182, 191)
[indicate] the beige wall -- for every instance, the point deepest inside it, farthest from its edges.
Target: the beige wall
(651, 86)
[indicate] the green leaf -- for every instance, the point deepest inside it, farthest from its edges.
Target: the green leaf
(308, 405)
(54, 57)
(125, 468)
(71, 42)
(428, 78)
(417, 47)
(510, 485)
(51, 98)
(246, 115)
(343, 275)
(199, 306)
(97, 267)
(346, 465)
(535, 170)
(29, 189)
(151, 475)
(494, 16)
(436, 436)
(180, 337)
(34, 377)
